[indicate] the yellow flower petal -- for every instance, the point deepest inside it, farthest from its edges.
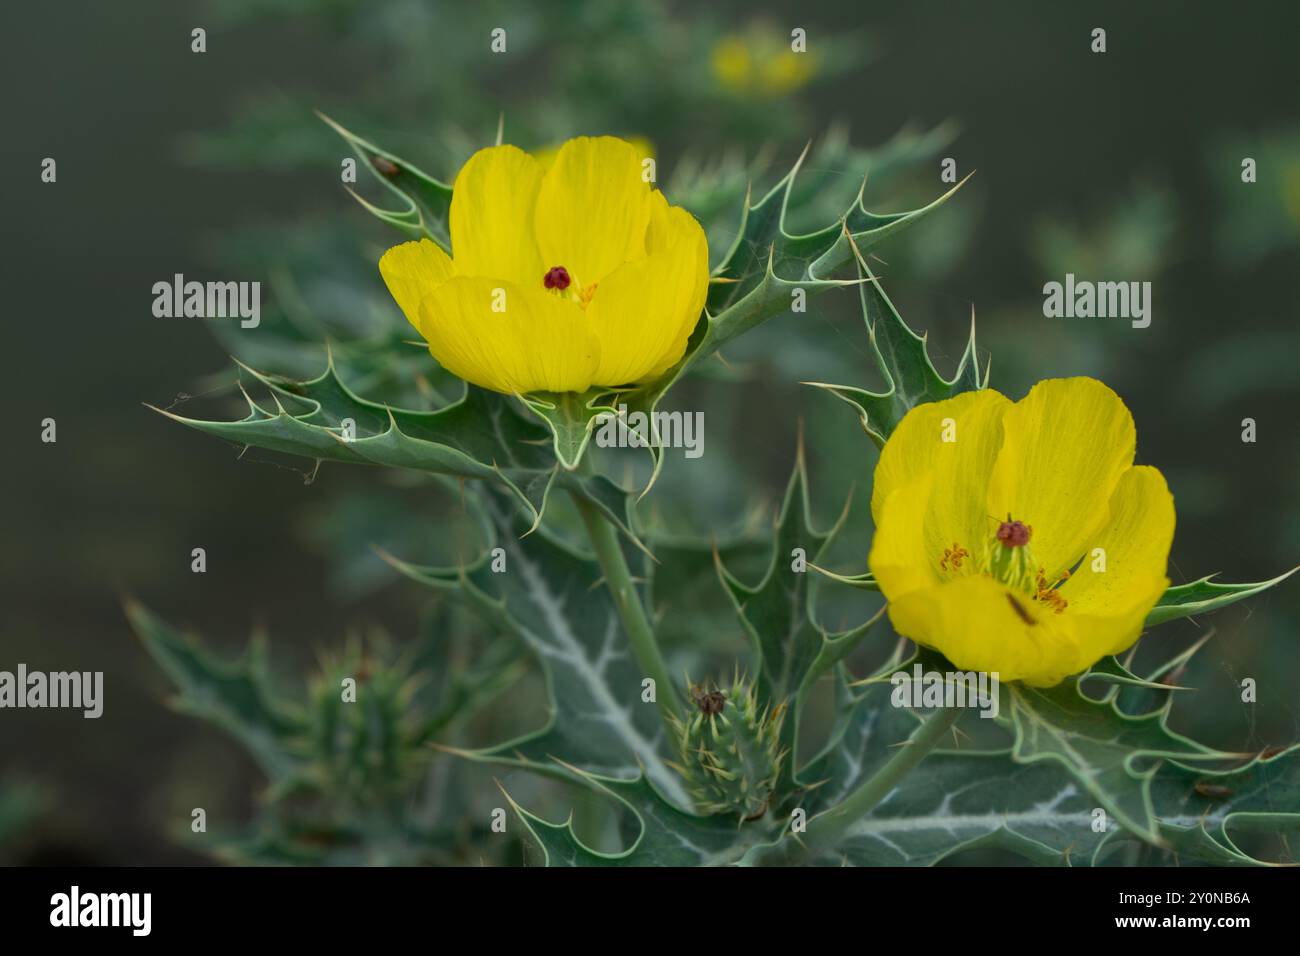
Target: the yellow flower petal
(959, 470)
(675, 232)
(411, 271)
(592, 208)
(900, 559)
(1065, 445)
(492, 208)
(645, 310)
(1095, 636)
(1126, 577)
(538, 342)
(546, 155)
(979, 624)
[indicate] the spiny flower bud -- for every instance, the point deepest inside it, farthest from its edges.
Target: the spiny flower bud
(730, 751)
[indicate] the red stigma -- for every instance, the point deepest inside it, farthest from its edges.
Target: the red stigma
(1014, 534)
(557, 277)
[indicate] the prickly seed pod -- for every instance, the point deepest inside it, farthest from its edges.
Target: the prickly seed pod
(730, 750)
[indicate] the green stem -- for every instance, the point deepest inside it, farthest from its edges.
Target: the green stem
(604, 541)
(827, 829)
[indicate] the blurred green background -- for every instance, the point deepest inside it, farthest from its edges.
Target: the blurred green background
(1124, 165)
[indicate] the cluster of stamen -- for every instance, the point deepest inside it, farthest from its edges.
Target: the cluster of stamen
(1007, 558)
(1048, 594)
(954, 556)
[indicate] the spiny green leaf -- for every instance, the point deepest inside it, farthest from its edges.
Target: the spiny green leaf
(1200, 808)
(766, 264)
(1143, 695)
(349, 780)
(1197, 597)
(1111, 754)
(552, 600)
(236, 696)
(428, 202)
(792, 650)
(823, 188)
(1195, 804)
(952, 801)
(863, 580)
(764, 247)
(904, 361)
(713, 188)
(668, 836)
(482, 436)
(957, 802)
(775, 612)
(866, 729)
(759, 275)
(474, 437)
(682, 594)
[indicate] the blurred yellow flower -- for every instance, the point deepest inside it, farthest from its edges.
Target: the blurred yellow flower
(1020, 538)
(760, 63)
(563, 275)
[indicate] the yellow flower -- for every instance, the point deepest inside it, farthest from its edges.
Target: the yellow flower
(562, 276)
(1020, 537)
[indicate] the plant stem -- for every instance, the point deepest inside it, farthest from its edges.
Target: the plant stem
(826, 829)
(609, 552)
(830, 826)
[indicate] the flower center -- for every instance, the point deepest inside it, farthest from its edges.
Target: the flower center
(1014, 534)
(559, 280)
(709, 702)
(1008, 558)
